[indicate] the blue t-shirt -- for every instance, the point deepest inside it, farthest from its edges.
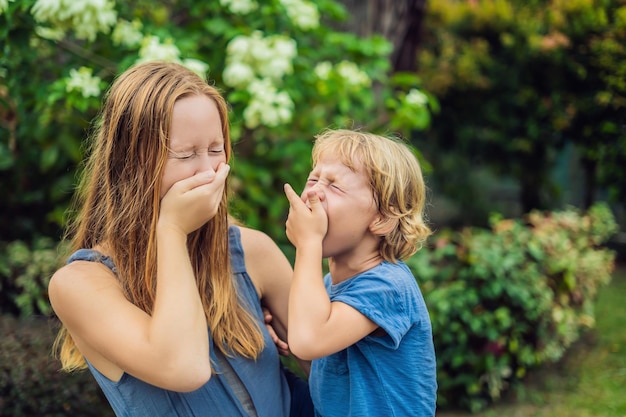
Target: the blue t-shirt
(390, 375)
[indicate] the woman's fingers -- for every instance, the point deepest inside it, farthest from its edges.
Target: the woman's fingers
(192, 202)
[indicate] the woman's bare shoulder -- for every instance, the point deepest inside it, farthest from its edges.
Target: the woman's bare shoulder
(82, 274)
(76, 282)
(256, 241)
(267, 265)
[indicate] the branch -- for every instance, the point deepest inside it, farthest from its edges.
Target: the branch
(84, 53)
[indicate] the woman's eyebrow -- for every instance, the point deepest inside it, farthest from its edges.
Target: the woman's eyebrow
(190, 147)
(181, 149)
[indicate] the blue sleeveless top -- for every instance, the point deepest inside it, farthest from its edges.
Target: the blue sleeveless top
(263, 378)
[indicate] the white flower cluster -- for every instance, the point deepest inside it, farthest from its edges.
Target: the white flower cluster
(152, 49)
(86, 18)
(4, 5)
(352, 75)
(83, 81)
(322, 70)
(240, 6)
(347, 71)
(268, 106)
(248, 57)
(416, 98)
(302, 13)
(127, 33)
(48, 33)
(258, 64)
(411, 109)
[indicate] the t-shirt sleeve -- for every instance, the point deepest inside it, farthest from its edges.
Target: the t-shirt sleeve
(383, 300)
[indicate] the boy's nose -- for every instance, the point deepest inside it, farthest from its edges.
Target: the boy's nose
(318, 186)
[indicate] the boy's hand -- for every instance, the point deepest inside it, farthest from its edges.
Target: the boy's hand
(281, 345)
(305, 223)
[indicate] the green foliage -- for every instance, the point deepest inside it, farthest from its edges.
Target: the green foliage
(517, 80)
(30, 381)
(588, 381)
(285, 72)
(505, 300)
(24, 275)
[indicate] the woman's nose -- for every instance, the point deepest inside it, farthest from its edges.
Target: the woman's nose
(208, 162)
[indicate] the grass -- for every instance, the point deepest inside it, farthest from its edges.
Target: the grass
(590, 381)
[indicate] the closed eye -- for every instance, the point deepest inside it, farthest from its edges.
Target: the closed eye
(188, 155)
(183, 156)
(217, 149)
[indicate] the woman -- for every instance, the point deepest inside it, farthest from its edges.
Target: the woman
(161, 298)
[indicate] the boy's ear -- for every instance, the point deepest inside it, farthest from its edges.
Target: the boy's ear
(382, 226)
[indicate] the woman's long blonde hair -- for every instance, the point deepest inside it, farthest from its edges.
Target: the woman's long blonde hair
(118, 201)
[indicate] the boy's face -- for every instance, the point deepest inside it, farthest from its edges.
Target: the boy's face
(349, 203)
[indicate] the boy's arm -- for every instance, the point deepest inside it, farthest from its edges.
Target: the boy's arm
(317, 327)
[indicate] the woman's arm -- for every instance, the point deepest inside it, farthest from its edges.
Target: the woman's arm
(271, 273)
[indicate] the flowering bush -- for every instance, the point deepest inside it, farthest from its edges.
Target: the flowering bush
(283, 69)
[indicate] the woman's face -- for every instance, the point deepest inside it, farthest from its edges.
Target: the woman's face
(196, 140)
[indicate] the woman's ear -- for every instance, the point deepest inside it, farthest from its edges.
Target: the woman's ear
(382, 226)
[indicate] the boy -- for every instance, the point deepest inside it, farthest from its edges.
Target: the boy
(365, 325)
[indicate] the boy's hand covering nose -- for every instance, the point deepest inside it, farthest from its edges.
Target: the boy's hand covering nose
(305, 223)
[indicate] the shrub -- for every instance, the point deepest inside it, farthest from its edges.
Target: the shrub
(510, 298)
(30, 381)
(24, 275)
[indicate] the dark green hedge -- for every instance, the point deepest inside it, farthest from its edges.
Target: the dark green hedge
(30, 381)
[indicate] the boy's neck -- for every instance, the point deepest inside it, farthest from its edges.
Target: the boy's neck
(342, 269)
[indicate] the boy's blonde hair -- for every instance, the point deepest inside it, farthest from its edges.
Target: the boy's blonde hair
(396, 180)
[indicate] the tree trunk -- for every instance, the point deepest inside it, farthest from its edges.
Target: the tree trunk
(589, 170)
(399, 21)
(530, 198)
